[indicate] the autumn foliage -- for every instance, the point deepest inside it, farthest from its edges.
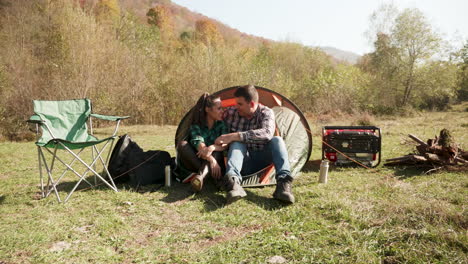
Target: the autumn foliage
(207, 32)
(161, 17)
(59, 50)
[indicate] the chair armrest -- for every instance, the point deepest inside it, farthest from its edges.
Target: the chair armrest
(35, 119)
(109, 118)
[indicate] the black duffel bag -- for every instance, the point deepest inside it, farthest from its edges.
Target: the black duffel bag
(129, 163)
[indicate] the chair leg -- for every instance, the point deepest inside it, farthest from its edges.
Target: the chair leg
(94, 166)
(88, 167)
(104, 164)
(40, 171)
(50, 178)
(52, 183)
(69, 168)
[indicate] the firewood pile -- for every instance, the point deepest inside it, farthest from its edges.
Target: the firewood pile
(439, 153)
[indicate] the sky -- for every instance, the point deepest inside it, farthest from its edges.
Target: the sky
(337, 23)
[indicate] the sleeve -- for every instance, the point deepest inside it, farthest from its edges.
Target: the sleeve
(223, 129)
(265, 132)
(195, 136)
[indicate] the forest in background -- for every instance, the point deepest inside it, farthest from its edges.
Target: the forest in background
(153, 69)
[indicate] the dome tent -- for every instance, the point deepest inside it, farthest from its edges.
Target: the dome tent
(291, 125)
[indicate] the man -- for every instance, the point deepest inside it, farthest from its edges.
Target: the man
(252, 145)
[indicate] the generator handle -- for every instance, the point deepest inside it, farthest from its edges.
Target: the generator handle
(351, 127)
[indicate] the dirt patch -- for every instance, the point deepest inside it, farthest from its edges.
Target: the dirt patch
(228, 234)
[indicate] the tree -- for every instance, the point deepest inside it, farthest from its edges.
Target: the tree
(107, 10)
(406, 41)
(207, 32)
(415, 40)
(463, 73)
(438, 80)
(161, 17)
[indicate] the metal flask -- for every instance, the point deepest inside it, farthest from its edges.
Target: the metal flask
(167, 178)
(323, 175)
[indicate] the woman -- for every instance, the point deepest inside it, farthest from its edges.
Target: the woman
(199, 153)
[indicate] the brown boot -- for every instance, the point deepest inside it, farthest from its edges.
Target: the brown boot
(234, 189)
(197, 183)
(197, 180)
(283, 190)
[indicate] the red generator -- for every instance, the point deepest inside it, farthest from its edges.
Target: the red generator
(361, 143)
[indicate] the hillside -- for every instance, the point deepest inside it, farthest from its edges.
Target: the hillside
(342, 55)
(184, 20)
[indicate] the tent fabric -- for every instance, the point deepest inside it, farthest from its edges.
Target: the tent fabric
(66, 121)
(291, 125)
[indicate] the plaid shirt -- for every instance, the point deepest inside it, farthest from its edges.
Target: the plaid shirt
(255, 132)
(205, 135)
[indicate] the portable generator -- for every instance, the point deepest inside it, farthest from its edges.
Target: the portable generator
(360, 143)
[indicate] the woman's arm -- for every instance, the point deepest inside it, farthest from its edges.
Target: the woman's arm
(206, 152)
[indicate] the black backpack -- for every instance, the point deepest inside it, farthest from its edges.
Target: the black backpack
(129, 163)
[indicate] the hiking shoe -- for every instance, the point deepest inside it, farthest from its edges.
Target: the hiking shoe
(283, 191)
(235, 190)
(189, 178)
(197, 183)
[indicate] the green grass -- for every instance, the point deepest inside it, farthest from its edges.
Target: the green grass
(387, 215)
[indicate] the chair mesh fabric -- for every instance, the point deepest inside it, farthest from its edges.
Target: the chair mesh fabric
(67, 122)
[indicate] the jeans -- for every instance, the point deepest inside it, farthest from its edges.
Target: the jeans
(244, 162)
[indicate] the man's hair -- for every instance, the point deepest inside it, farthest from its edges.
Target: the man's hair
(248, 92)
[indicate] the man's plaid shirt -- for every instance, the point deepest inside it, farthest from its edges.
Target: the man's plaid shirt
(255, 132)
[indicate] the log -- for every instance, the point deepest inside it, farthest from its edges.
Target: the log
(418, 158)
(434, 158)
(441, 150)
(407, 157)
(415, 138)
(464, 154)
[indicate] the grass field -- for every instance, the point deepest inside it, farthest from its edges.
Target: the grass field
(387, 215)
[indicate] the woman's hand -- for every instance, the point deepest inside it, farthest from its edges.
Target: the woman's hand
(206, 152)
(226, 139)
(215, 168)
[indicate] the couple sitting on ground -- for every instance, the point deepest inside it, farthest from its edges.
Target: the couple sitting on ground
(247, 132)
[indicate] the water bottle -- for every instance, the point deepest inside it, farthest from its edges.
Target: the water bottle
(323, 175)
(167, 179)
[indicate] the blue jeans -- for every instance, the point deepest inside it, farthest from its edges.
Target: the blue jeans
(244, 162)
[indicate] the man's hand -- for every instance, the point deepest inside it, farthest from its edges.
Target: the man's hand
(227, 138)
(215, 168)
(206, 152)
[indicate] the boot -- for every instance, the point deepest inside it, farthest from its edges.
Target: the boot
(283, 191)
(197, 180)
(234, 189)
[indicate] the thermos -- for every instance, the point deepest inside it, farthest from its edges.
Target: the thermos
(167, 179)
(323, 175)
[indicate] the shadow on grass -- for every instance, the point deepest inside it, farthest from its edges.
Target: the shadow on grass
(67, 186)
(406, 172)
(177, 192)
(265, 202)
(210, 195)
(311, 166)
(2, 199)
(314, 166)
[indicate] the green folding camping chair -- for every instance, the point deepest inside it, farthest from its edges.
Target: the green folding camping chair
(61, 127)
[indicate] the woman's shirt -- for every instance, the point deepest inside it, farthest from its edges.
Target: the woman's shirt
(202, 134)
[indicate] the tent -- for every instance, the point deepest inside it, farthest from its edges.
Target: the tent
(291, 125)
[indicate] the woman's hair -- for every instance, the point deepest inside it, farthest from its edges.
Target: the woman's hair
(199, 114)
